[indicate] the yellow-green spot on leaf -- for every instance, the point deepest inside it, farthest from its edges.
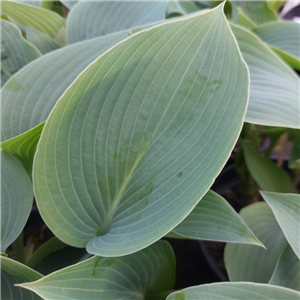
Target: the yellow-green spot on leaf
(180, 296)
(179, 174)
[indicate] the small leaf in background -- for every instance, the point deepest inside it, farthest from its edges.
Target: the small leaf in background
(120, 161)
(274, 87)
(286, 208)
(69, 4)
(258, 12)
(287, 270)
(251, 263)
(267, 174)
(294, 160)
(90, 19)
(283, 36)
(276, 4)
(16, 52)
(13, 272)
(135, 276)
(40, 40)
(29, 96)
(41, 19)
(234, 291)
(214, 219)
(16, 199)
(244, 21)
(177, 8)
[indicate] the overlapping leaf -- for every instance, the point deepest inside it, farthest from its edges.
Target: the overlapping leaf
(41, 19)
(274, 87)
(28, 98)
(286, 208)
(175, 8)
(258, 12)
(90, 19)
(12, 273)
(267, 174)
(234, 291)
(214, 219)
(287, 270)
(250, 263)
(16, 52)
(155, 106)
(16, 199)
(283, 36)
(130, 277)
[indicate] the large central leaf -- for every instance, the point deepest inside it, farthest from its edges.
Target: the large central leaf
(138, 138)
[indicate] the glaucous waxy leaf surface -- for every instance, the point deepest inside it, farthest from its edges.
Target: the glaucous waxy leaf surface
(214, 219)
(13, 272)
(90, 19)
(287, 270)
(274, 87)
(235, 291)
(44, 20)
(130, 277)
(16, 199)
(251, 263)
(163, 102)
(16, 52)
(258, 12)
(286, 208)
(28, 97)
(267, 174)
(283, 36)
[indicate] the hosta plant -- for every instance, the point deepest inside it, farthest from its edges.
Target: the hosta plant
(118, 116)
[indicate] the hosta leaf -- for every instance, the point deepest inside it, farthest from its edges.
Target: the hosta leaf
(138, 138)
(16, 52)
(90, 19)
(251, 263)
(13, 272)
(28, 97)
(275, 4)
(130, 277)
(258, 12)
(244, 21)
(214, 219)
(69, 4)
(175, 7)
(283, 36)
(267, 174)
(294, 160)
(274, 87)
(234, 291)
(16, 199)
(41, 19)
(36, 3)
(286, 208)
(40, 40)
(287, 271)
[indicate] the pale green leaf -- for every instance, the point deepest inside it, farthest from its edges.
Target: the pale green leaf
(276, 4)
(258, 12)
(287, 270)
(16, 52)
(36, 3)
(274, 87)
(161, 103)
(244, 21)
(282, 36)
(41, 19)
(90, 19)
(13, 272)
(16, 199)
(130, 277)
(286, 208)
(40, 40)
(214, 219)
(235, 291)
(29, 96)
(176, 7)
(267, 174)
(251, 263)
